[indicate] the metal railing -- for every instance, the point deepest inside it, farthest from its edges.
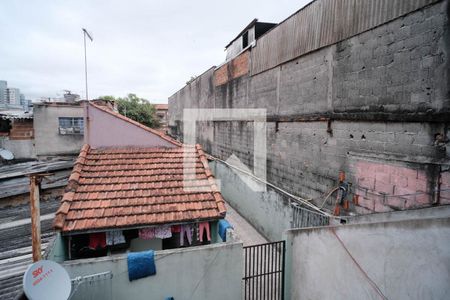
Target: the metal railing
(95, 286)
(302, 217)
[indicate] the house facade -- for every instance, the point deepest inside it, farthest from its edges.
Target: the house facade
(143, 192)
(58, 128)
(134, 181)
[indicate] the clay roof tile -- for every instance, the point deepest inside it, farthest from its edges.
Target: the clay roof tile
(125, 187)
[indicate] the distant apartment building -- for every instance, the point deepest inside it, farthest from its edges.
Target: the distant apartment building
(25, 103)
(12, 96)
(3, 86)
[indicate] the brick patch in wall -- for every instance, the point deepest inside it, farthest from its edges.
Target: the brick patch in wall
(445, 188)
(221, 75)
(378, 185)
(237, 67)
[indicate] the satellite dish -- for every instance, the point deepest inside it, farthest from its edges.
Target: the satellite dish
(45, 279)
(6, 155)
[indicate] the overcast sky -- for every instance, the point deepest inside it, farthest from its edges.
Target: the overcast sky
(146, 47)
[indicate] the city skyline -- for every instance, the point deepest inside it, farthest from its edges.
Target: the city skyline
(151, 54)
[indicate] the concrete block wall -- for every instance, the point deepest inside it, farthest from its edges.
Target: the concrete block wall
(260, 201)
(398, 67)
(372, 106)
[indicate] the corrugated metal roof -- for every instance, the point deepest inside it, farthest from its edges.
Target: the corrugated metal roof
(15, 114)
(323, 23)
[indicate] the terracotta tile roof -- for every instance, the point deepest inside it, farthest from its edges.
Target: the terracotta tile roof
(154, 131)
(131, 187)
(161, 106)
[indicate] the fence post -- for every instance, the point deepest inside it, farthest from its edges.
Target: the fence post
(35, 181)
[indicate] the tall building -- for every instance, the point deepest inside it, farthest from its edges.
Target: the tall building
(12, 96)
(3, 86)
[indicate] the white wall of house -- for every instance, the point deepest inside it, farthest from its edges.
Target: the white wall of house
(203, 272)
(407, 259)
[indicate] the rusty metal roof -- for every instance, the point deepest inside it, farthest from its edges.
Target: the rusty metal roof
(15, 115)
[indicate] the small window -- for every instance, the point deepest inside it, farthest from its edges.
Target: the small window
(245, 40)
(71, 126)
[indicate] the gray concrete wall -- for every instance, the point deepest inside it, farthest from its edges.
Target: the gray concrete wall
(269, 212)
(385, 93)
(48, 141)
(204, 272)
(20, 148)
(437, 212)
(405, 259)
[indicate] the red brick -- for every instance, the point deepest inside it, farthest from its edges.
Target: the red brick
(384, 188)
(366, 203)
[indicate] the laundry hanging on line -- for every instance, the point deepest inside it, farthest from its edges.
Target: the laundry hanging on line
(115, 237)
(202, 227)
(141, 264)
(223, 227)
(163, 232)
(147, 233)
(97, 240)
(186, 230)
(176, 228)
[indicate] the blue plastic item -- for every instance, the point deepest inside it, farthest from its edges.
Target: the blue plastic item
(223, 226)
(141, 264)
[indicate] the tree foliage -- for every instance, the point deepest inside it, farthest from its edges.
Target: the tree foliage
(136, 108)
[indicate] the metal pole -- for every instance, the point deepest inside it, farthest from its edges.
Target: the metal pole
(85, 65)
(35, 217)
(284, 268)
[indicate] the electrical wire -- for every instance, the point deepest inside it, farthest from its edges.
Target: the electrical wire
(328, 196)
(79, 280)
(204, 274)
(297, 198)
(403, 195)
(371, 282)
(307, 202)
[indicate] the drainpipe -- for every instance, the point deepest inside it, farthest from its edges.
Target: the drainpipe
(35, 181)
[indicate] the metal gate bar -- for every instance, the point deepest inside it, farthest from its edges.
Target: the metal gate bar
(264, 271)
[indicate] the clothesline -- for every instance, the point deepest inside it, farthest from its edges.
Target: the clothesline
(112, 238)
